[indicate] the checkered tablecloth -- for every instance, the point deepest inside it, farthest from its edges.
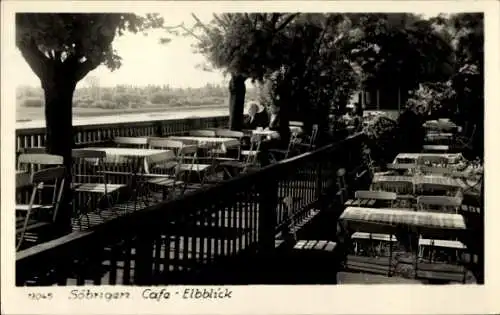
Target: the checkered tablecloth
(439, 181)
(404, 216)
(388, 178)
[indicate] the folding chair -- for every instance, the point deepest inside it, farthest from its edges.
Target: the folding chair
(187, 157)
(309, 143)
(35, 216)
(90, 178)
(202, 133)
(137, 142)
(464, 141)
(249, 158)
(286, 152)
(342, 185)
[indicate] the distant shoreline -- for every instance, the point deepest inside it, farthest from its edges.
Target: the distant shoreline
(86, 112)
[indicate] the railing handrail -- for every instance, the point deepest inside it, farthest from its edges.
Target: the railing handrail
(137, 119)
(151, 215)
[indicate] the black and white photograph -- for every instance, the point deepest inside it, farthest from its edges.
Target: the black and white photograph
(246, 147)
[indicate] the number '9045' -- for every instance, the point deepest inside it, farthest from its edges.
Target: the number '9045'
(40, 296)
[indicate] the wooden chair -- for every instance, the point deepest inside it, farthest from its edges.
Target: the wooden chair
(35, 216)
(90, 178)
(439, 204)
(137, 142)
(202, 133)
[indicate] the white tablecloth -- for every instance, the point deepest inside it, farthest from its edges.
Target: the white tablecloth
(132, 155)
(221, 143)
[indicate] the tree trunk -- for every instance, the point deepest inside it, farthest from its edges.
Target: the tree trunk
(237, 90)
(59, 128)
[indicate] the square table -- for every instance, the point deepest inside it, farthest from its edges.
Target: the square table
(223, 143)
(138, 157)
(139, 160)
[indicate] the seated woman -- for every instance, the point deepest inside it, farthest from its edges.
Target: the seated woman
(279, 140)
(256, 117)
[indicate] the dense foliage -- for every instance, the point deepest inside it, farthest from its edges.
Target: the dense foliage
(124, 97)
(315, 62)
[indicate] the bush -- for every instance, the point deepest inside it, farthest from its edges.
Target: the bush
(32, 102)
(382, 133)
(161, 98)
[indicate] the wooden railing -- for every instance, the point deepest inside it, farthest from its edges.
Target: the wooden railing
(183, 240)
(94, 134)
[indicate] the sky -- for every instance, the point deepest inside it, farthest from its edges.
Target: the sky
(146, 61)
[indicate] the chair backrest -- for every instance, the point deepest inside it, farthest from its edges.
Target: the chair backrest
(226, 133)
(34, 161)
(378, 195)
(255, 141)
(55, 175)
(432, 159)
(87, 164)
(436, 170)
(440, 203)
(314, 134)
(162, 143)
(141, 142)
(436, 148)
(401, 166)
(296, 123)
(202, 133)
(54, 178)
(40, 158)
(48, 174)
(88, 154)
(398, 187)
(34, 150)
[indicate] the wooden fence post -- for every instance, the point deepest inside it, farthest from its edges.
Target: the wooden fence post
(268, 201)
(144, 258)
